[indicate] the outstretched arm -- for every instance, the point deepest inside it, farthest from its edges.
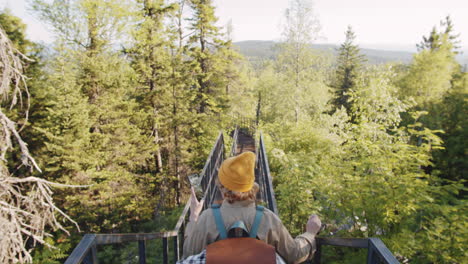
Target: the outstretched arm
(299, 249)
(192, 241)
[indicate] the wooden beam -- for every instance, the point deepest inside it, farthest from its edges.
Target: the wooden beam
(105, 239)
(343, 242)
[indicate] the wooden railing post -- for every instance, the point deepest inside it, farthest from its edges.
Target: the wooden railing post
(142, 251)
(176, 248)
(165, 251)
(318, 254)
(91, 257)
(371, 258)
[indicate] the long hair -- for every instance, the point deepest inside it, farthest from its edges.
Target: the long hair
(233, 196)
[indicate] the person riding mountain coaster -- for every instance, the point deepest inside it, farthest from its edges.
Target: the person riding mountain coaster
(238, 231)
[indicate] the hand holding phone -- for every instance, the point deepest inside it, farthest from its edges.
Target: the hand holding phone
(195, 206)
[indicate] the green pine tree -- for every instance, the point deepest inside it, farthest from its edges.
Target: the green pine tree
(348, 66)
(435, 39)
(207, 50)
(155, 60)
(111, 150)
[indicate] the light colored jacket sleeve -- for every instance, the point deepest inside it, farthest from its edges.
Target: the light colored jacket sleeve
(197, 237)
(293, 250)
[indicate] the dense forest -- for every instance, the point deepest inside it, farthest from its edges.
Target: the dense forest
(111, 118)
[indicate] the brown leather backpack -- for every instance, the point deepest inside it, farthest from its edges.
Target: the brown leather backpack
(238, 245)
(240, 250)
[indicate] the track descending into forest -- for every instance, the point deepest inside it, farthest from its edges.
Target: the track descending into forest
(243, 138)
(245, 143)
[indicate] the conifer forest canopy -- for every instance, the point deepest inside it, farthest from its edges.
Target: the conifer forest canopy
(100, 129)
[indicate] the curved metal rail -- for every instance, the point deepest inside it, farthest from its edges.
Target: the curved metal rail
(263, 178)
(235, 137)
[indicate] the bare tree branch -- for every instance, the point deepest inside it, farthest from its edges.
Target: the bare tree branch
(26, 204)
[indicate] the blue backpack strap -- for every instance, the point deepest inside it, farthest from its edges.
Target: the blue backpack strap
(237, 229)
(219, 221)
(257, 221)
(239, 224)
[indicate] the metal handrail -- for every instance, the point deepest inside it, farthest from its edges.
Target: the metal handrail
(210, 170)
(235, 137)
(377, 252)
(263, 177)
(86, 250)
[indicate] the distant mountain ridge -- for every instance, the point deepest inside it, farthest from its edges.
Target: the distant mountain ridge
(266, 49)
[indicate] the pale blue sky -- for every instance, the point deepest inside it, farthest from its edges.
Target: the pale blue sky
(377, 23)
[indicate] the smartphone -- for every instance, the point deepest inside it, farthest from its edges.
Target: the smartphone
(195, 182)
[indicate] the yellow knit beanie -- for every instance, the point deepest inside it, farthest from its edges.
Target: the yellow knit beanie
(238, 173)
